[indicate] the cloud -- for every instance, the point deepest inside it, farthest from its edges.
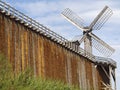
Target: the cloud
(41, 8)
(44, 10)
(118, 74)
(116, 46)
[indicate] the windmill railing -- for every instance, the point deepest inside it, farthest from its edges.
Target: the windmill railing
(28, 21)
(39, 28)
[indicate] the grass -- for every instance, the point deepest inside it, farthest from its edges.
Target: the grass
(25, 81)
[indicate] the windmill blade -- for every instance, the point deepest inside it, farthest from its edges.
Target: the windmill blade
(83, 38)
(101, 46)
(80, 38)
(77, 37)
(102, 17)
(73, 18)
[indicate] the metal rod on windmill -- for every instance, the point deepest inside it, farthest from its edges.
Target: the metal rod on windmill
(90, 40)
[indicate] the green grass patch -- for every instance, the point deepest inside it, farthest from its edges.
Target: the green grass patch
(25, 80)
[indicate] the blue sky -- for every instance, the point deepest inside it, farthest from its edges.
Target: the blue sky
(47, 12)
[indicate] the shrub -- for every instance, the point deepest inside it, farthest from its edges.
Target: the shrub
(25, 81)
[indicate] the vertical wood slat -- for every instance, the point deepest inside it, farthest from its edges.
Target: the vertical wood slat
(18, 54)
(12, 45)
(22, 49)
(2, 35)
(16, 47)
(33, 54)
(79, 74)
(88, 67)
(42, 62)
(95, 78)
(36, 55)
(69, 69)
(83, 71)
(7, 37)
(26, 47)
(31, 51)
(74, 70)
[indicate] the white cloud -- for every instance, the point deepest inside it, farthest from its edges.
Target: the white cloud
(40, 8)
(118, 74)
(116, 46)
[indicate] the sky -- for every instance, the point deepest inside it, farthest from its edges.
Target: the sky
(48, 13)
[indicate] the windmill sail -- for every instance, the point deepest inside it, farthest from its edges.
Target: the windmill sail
(73, 18)
(101, 46)
(79, 38)
(102, 17)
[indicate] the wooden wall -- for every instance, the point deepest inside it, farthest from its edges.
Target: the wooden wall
(26, 48)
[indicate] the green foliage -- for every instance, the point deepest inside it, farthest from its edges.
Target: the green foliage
(25, 80)
(6, 74)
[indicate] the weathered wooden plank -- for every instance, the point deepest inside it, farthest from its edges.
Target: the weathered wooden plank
(16, 35)
(69, 71)
(79, 72)
(20, 49)
(7, 29)
(12, 45)
(46, 58)
(36, 55)
(2, 35)
(95, 78)
(41, 54)
(31, 51)
(26, 47)
(83, 71)
(88, 66)
(74, 66)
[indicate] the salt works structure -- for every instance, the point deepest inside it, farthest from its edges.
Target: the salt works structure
(27, 43)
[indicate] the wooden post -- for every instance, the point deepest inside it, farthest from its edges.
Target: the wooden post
(110, 81)
(115, 79)
(88, 45)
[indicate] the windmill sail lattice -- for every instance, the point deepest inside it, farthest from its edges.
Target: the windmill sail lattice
(88, 37)
(73, 18)
(101, 46)
(101, 18)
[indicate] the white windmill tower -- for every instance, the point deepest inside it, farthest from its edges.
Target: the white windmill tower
(91, 40)
(88, 37)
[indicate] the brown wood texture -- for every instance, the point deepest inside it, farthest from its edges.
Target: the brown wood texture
(26, 48)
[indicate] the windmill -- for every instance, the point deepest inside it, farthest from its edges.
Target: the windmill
(88, 37)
